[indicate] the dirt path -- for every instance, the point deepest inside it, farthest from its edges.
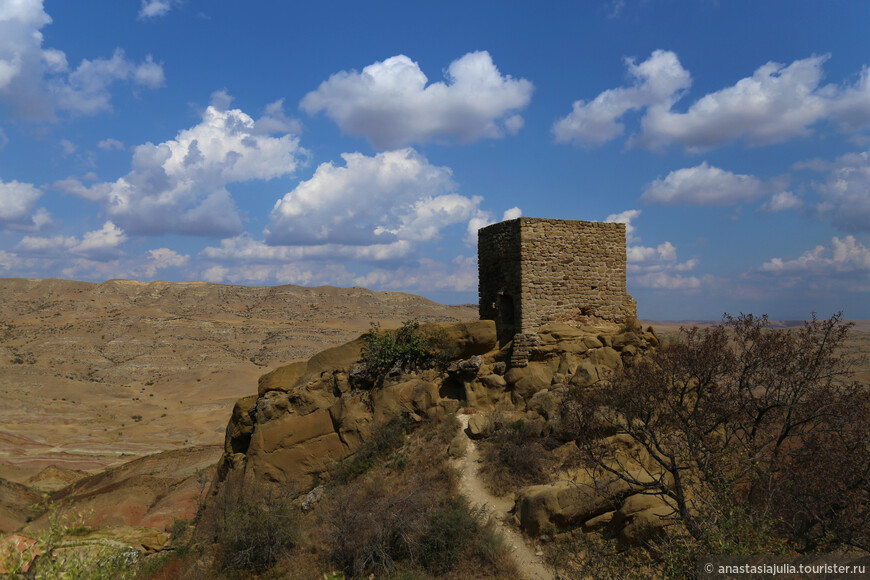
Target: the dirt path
(529, 563)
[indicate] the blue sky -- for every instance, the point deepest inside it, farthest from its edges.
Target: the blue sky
(363, 143)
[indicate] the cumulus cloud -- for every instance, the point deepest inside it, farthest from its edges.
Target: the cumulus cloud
(778, 102)
(460, 275)
(844, 194)
(36, 81)
(161, 258)
(154, 8)
(392, 196)
(844, 256)
(17, 201)
(390, 104)
(625, 218)
(704, 185)
(782, 201)
(658, 81)
(109, 144)
(18, 207)
(179, 186)
(655, 267)
(101, 244)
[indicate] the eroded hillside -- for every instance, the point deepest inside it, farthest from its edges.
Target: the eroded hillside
(95, 374)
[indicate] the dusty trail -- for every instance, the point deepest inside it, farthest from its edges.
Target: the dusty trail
(530, 565)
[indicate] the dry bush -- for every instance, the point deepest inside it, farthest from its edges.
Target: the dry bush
(410, 517)
(513, 457)
(743, 427)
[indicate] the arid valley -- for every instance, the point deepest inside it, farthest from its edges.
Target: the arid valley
(115, 397)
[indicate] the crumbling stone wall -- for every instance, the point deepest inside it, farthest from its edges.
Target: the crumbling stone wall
(534, 271)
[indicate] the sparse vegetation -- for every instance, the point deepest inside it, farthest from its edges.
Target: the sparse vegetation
(755, 434)
(405, 349)
(514, 456)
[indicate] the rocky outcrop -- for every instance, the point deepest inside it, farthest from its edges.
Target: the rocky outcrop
(309, 414)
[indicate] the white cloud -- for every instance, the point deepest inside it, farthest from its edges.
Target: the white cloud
(102, 244)
(179, 185)
(154, 8)
(782, 201)
(8, 260)
(395, 195)
(775, 104)
(843, 256)
(161, 258)
(86, 90)
(658, 81)
(459, 275)
(625, 218)
(17, 201)
(655, 267)
(778, 102)
(244, 248)
(36, 81)
(67, 147)
(845, 199)
(109, 144)
(704, 185)
(390, 104)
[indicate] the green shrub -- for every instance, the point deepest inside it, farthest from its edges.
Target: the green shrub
(407, 348)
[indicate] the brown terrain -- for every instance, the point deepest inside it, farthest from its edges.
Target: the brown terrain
(95, 375)
(115, 397)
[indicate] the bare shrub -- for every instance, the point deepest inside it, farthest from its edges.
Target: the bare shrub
(514, 457)
(742, 426)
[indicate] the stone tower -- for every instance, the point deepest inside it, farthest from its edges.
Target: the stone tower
(533, 271)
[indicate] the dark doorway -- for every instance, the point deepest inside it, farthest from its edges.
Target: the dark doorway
(506, 321)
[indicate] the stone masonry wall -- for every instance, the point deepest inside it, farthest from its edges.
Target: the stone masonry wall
(572, 269)
(551, 271)
(500, 283)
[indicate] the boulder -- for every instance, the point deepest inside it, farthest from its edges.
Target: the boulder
(468, 338)
(642, 517)
(413, 396)
(567, 503)
(479, 426)
(528, 380)
(312, 497)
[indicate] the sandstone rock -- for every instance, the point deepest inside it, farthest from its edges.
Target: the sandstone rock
(153, 541)
(413, 396)
(240, 426)
(598, 522)
(545, 403)
(478, 426)
(625, 339)
(312, 497)
(291, 448)
(641, 517)
(352, 420)
(528, 380)
(470, 338)
(566, 503)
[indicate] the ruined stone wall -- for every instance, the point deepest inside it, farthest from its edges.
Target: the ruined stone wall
(572, 269)
(551, 271)
(500, 282)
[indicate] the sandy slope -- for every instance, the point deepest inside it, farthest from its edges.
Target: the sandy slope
(93, 375)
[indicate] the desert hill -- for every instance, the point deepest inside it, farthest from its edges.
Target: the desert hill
(93, 375)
